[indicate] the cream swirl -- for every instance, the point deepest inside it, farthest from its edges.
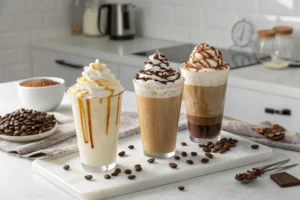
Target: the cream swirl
(158, 71)
(206, 57)
(97, 81)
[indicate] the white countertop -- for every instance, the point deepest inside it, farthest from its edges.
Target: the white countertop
(19, 182)
(284, 82)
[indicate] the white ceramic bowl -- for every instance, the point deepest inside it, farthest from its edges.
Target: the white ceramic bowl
(42, 99)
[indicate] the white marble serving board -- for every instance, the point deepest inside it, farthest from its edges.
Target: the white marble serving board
(153, 175)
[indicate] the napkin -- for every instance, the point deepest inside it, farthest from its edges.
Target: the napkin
(64, 142)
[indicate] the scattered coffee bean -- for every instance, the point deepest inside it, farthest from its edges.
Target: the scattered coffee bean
(173, 165)
(223, 150)
(255, 146)
(88, 177)
(121, 154)
(66, 167)
(194, 153)
(201, 145)
(131, 147)
(137, 165)
(190, 162)
(209, 155)
(151, 160)
(138, 169)
(118, 170)
(183, 144)
(131, 177)
(114, 174)
(204, 160)
(127, 171)
(177, 157)
(181, 188)
(106, 176)
(207, 149)
(184, 154)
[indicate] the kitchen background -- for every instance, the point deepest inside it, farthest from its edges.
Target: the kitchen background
(182, 20)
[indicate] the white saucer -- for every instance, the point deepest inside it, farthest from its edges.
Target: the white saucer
(29, 138)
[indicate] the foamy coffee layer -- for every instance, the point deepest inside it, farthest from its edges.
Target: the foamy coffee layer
(204, 78)
(154, 91)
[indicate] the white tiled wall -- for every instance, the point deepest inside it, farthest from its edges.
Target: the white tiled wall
(22, 21)
(211, 20)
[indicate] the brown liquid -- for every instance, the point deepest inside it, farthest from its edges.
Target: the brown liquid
(159, 123)
(205, 106)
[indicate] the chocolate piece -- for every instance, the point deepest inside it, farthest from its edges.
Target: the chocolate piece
(284, 179)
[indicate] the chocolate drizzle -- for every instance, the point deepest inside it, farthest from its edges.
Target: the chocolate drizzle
(158, 69)
(205, 56)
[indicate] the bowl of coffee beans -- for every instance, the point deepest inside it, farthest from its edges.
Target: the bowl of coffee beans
(41, 93)
(25, 125)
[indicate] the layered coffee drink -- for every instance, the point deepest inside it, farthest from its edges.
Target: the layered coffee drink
(96, 104)
(158, 90)
(206, 75)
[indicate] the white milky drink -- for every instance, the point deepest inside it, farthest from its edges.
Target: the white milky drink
(96, 106)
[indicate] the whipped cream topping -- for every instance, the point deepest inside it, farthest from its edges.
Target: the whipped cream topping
(97, 81)
(158, 71)
(205, 58)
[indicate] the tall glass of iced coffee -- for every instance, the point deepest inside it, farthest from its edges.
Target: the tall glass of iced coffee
(158, 90)
(206, 75)
(96, 103)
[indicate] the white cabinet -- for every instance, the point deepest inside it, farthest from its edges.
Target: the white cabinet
(63, 65)
(254, 107)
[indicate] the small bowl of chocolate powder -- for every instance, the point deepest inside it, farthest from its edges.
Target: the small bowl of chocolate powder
(41, 93)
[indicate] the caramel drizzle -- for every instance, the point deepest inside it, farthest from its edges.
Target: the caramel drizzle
(100, 100)
(108, 107)
(83, 121)
(118, 109)
(90, 122)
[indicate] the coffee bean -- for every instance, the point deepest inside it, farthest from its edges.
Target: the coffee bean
(131, 147)
(190, 162)
(183, 144)
(181, 188)
(255, 146)
(223, 150)
(121, 154)
(177, 157)
(131, 177)
(114, 174)
(66, 167)
(207, 149)
(127, 171)
(184, 154)
(118, 170)
(173, 165)
(88, 177)
(201, 145)
(137, 165)
(106, 176)
(214, 150)
(194, 153)
(209, 155)
(138, 169)
(204, 160)
(151, 160)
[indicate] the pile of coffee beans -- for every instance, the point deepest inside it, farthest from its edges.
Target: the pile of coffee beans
(24, 122)
(221, 146)
(250, 175)
(274, 133)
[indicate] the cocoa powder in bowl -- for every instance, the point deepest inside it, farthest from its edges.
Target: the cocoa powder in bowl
(39, 83)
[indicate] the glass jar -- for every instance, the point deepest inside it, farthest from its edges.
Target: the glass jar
(283, 42)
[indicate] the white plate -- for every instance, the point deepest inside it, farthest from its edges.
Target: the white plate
(29, 138)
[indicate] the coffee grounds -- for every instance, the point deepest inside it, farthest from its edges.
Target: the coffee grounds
(39, 83)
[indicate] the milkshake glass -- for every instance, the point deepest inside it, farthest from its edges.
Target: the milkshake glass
(158, 91)
(206, 75)
(96, 105)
